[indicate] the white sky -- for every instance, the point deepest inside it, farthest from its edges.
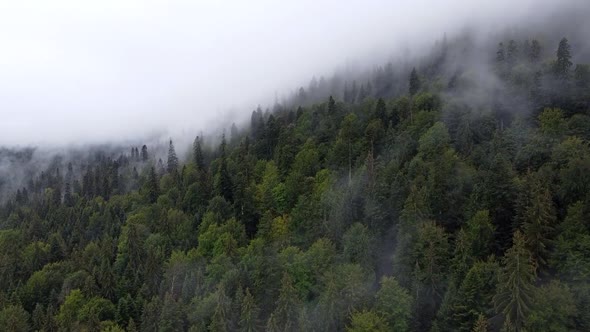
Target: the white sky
(97, 71)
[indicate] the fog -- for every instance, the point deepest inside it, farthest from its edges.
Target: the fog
(76, 72)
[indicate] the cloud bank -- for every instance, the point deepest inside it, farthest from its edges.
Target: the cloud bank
(75, 72)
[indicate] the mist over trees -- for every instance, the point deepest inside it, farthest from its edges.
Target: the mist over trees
(445, 193)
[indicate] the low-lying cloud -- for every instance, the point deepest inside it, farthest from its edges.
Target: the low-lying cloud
(76, 72)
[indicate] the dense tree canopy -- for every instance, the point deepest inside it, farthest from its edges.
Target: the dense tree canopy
(392, 203)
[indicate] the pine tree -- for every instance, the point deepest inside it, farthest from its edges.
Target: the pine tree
(563, 63)
(481, 325)
(539, 216)
(153, 186)
(515, 289)
(249, 314)
(414, 82)
(220, 322)
(511, 52)
(131, 326)
(394, 304)
(287, 307)
(172, 167)
(272, 324)
(331, 106)
(144, 153)
(68, 199)
(381, 111)
(198, 154)
(534, 54)
(38, 317)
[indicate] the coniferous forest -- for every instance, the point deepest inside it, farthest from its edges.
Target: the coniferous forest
(435, 196)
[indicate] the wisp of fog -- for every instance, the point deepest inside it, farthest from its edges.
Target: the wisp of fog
(76, 72)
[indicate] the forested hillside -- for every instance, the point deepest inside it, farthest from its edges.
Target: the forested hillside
(443, 196)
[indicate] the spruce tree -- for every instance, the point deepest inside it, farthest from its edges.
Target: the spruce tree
(144, 153)
(198, 154)
(563, 63)
(220, 322)
(481, 325)
(249, 314)
(287, 307)
(534, 54)
(331, 106)
(153, 186)
(172, 167)
(539, 217)
(68, 199)
(511, 52)
(515, 289)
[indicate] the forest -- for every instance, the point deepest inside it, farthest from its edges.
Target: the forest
(449, 195)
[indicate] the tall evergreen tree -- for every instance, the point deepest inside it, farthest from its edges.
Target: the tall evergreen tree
(287, 308)
(538, 221)
(153, 186)
(249, 321)
(68, 198)
(198, 154)
(534, 54)
(172, 166)
(144, 153)
(221, 322)
(511, 52)
(481, 325)
(563, 63)
(515, 289)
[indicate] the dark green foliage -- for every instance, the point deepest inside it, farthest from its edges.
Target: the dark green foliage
(514, 297)
(198, 154)
(381, 208)
(14, 318)
(394, 304)
(172, 165)
(223, 181)
(249, 314)
(144, 153)
(152, 186)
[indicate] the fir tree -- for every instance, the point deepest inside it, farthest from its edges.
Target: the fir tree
(249, 314)
(198, 154)
(153, 186)
(144, 153)
(538, 222)
(511, 53)
(534, 54)
(172, 166)
(563, 63)
(515, 289)
(481, 325)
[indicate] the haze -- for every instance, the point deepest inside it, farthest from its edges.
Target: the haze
(75, 72)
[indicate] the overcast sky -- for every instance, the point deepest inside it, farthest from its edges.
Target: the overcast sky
(95, 71)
